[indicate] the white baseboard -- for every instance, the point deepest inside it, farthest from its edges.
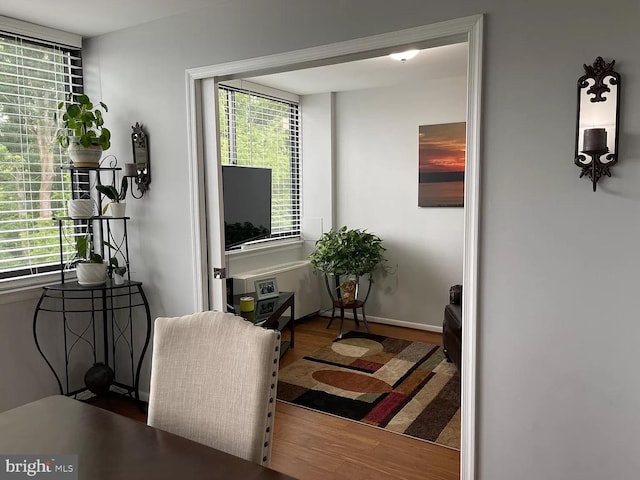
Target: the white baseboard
(389, 321)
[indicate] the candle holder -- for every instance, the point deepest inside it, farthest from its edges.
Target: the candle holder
(140, 169)
(597, 120)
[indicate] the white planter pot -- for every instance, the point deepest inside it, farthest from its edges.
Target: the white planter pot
(118, 279)
(117, 209)
(91, 273)
(80, 208)
(84, 156)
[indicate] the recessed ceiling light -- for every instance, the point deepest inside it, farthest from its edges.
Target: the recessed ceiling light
(404, 56)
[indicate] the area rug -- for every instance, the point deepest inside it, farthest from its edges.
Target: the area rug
(399, 385)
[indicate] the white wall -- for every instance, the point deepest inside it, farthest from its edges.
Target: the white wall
(377, 190)
(557, 330)
(24, 376)
(318, 166)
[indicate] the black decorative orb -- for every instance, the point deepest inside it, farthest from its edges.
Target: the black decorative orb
(99, 378)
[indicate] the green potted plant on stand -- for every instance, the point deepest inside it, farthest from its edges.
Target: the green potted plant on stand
(347, 255)
(82, 131)
(90, 267)
(116, 206)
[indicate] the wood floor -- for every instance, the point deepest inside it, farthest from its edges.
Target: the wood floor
(313, 446)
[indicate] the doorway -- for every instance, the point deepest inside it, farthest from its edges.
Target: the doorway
(208, 251)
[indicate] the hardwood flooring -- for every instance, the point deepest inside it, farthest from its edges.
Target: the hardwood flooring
(310, 445)
(314, 446)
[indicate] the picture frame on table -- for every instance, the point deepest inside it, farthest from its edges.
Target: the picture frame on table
(266, 288)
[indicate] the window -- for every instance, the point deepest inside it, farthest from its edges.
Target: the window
(34, 77)
(262, 131)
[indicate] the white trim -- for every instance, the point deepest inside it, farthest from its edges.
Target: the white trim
(456, 29)
(196, 193)
(463, 29)
(39, 32)
(389, 321)
(262, 89)
(470, 266)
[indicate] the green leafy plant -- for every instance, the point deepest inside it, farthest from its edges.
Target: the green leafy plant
(82, 123)
(348, 252)
(114, 265)
(112, 193)
(84, 252)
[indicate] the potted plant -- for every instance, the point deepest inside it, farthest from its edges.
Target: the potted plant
(82, 132)
(117, 271)
(347, 255)
(116, 206)
(90, 267)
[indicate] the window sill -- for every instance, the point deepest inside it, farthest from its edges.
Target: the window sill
(266, 247)
(24, 289)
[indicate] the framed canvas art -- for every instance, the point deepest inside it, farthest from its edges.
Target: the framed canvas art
(441, 161)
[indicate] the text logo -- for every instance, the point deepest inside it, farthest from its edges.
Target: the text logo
(50, 467)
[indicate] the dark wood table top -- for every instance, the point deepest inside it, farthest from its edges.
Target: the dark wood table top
(111, 446)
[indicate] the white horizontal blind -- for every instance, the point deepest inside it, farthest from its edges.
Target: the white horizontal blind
(34, 78)
(262, 131)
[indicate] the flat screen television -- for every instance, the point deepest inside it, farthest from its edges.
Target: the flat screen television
(247, 204)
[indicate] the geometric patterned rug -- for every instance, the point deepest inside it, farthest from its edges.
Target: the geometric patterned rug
(399, 385)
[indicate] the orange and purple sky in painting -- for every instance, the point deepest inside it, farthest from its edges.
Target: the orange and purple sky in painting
(442, 148)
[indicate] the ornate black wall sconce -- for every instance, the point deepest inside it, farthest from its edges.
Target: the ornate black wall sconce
(140, 170)
(598, 120)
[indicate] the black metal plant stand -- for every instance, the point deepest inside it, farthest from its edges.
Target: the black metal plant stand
(101, 303)
(99, 318)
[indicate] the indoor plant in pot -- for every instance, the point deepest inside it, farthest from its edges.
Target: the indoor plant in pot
(117, 271)
(82, 132)
(90, 267)
(116, 206)
(347, 255)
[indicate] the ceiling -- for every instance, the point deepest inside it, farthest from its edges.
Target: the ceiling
(90, 18)
(377, 72)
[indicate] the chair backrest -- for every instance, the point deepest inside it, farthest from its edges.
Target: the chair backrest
(213, 380)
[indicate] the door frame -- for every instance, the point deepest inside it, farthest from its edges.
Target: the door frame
(469, 29)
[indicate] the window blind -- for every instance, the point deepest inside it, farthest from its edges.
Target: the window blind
(34, 77)
(261, 131)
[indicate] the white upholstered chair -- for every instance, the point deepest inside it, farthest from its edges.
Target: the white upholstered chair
(213, 380)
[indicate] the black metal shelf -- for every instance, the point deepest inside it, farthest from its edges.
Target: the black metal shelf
(96, 313)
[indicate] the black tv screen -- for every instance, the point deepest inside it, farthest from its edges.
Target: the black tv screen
(247, 204)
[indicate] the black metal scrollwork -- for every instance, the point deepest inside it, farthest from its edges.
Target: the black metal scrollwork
(599, 71)
(595, 83)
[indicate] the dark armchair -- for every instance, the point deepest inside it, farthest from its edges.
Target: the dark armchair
(452, 327)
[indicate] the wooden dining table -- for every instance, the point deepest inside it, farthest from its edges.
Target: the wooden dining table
(111, 446)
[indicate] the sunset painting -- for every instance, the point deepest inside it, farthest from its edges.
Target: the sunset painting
(441, 165)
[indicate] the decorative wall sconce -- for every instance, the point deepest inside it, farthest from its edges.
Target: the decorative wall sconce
(140, 170)
(597, 123)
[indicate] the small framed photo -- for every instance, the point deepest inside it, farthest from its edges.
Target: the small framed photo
(266, 288)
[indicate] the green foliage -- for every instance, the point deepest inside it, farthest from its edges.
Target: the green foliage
(84, 253)
(261, 140)
(347, 252)
(114, 265)
(112, 193)
(32, 184)
(84, 122)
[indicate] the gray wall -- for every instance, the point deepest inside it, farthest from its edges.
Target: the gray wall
(557, 326)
